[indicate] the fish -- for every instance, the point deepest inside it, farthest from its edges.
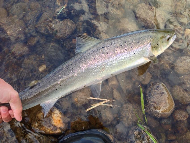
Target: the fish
(95, 61)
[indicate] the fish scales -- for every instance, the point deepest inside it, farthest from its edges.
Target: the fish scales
(103, 60)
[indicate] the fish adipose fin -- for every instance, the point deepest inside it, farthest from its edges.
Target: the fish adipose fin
(46, 106)
(84, 42)
(96, 89)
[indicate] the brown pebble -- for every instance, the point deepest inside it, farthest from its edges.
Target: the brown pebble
(180, 115)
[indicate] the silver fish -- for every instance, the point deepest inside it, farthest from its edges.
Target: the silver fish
(97, 60)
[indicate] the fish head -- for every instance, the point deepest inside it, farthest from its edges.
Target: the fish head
(161, 40)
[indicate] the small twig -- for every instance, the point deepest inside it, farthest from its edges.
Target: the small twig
(97, 98)
(96, 105)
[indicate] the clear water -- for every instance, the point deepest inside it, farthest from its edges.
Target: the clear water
(31, 47)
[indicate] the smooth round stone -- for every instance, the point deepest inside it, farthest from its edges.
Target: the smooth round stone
(180, 95)
(182, 65)
(159, 101)
(180, 115)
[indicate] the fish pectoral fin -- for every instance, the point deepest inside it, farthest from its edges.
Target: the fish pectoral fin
(47, 105)
(153, 59)
(84, 42)
(96, 89)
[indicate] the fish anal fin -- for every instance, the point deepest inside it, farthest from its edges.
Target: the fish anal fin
(47, 105)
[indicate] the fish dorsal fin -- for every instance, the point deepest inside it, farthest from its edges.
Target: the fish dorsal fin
(84, 42)
(47, 105)
(96, 89)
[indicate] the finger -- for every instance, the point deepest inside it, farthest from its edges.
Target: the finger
(16, 106)
(5, 114)
(11, 113)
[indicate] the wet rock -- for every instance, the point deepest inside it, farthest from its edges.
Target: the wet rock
(80, 97)
(19, 9)
(1, 3)
(63, 29)
(180, 115)
(185, 138)
(54, 123)
(32, 41)
(182, 65)
(152, 122)
(130, 26)
(118, 96)
(124, 82)
(121, 131)
(171, 136)
(31, 63)
(145, 14)
(159, 101)
(19, 49)
(174, 78)
(42, 25)
(136, 135)
(180, 95)
(53, 53)
(181, 127)
(166, 124)
(188, 109)
(14, 28)
(128, 114)
(145, 79)
(185, 82)
(107, 116)
(6, 134)
(3, 13)
(112, 82)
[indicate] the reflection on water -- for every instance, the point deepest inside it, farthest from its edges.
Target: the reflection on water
(38, 36)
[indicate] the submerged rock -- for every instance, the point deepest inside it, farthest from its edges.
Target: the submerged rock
(54, 123)
(159, 101)
(145, 14)
(129, 114)
(180, 95)
(63, 29)
(182, 65)
(180, 115)
(6, 134)
(3, 13)
(137, 135)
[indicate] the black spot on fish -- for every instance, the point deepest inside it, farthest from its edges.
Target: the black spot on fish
(103, 47)
(107, 52)
(125, 49)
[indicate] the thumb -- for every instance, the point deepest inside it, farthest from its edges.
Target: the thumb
(16, 105)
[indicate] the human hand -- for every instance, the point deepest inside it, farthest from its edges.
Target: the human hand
(9, 95)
